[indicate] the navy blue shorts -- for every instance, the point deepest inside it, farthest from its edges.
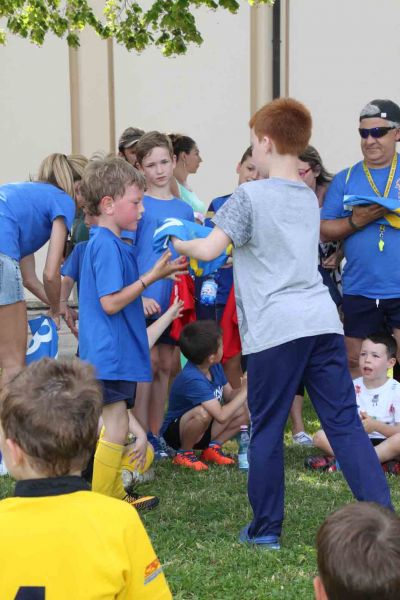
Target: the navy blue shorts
(172, 436)
(165, 337)
(118, 391)
(363, 316)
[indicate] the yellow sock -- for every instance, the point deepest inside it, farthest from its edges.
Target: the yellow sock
(107, 469)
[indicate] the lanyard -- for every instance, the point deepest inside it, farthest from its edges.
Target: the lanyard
(388, 185)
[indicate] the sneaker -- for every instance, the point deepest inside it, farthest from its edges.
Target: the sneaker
(319, 463)
(131, 478)
(266, 542)
(392, 467)
(142, 502)
(215, 455)
(302, 439)
(164, 446)
(189, 459)
(159, 452)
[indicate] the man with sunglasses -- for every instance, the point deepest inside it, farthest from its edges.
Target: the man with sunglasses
(371, 277)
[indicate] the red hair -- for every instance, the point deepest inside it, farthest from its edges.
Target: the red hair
(287, 122)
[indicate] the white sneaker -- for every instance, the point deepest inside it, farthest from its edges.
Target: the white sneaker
(3, 469)
(302, 439)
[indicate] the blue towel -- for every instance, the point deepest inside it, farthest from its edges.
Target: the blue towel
(188, 230)
(44, 341)
(393, 206)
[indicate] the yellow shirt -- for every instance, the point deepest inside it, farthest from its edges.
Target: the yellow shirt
(74, 544)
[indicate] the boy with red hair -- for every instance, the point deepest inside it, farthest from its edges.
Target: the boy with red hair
(288, 323)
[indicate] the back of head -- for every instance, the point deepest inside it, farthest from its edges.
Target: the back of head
(62, 171)
(313, 158)
(181, 143)
(247, 154)
(358, 552)
(129, 137)
(387, 340)
(151, 140)
(199, 340)
(286, 122)
(108, 177)
(51, 410)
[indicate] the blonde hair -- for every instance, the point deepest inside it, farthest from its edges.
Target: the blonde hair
(62, 171)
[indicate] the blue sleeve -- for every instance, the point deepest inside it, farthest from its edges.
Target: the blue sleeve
(333, 202)
(70, 267)
(199, 391)
(108, 267)
(62, 205)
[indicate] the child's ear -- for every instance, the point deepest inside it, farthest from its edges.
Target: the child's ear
(238, 169)
(16, 455)
(107, 205)
(319, 590)
(391, 362)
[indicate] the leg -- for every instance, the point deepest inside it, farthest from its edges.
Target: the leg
(141, 409)
(223, 432)
(159, 387)
(273, 378)
(396, 335)
(331, 390)
(321, 441)
(233, 370)
(13, 327)
(389, 449)
(193, 426)
(296, 415)
(353, 348)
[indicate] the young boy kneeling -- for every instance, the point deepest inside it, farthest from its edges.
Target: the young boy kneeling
(195, 418)
(59, 539)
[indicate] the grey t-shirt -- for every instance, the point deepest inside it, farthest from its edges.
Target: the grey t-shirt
(274, 226)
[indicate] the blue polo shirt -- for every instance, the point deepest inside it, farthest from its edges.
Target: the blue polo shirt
(155, 211)
(72, 267)
(368, 271)
(191, 388)
(116, 345)
(225, 274)
(27, 212)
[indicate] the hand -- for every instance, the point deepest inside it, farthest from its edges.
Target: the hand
(367, 421)
(165, 267)
(176, 309)
(71, 317)
(362, 215)
(55, 317)
(333, 261)
(137, 451)
(150, 307)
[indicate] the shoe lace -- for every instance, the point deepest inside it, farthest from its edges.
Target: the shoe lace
(190, 456)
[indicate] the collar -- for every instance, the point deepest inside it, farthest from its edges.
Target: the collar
(50, 486)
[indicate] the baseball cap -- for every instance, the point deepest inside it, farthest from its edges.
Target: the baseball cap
(129, 137)
(383, 109)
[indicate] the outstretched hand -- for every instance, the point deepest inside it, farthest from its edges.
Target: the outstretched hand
(165, 267)
(176, 309)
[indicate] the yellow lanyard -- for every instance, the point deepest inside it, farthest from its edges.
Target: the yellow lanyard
(381, 243)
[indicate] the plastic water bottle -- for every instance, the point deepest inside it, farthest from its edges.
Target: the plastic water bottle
(208, 292)
(244, 442)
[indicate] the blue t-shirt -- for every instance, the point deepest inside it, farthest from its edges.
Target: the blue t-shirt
(155, 211)
(27, 212)
(116, 344)
(368, 271)
(225, 275)
(191, 388)
(72, 267)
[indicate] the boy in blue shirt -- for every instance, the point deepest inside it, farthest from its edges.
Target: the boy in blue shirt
(195, 417)
(112, 333)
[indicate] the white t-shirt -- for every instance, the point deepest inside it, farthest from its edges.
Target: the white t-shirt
(382, 403)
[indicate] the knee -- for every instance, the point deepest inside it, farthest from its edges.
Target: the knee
(201, 416)
(318, 437)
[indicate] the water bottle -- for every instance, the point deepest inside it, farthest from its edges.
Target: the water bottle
(244, 442)
(208, 292)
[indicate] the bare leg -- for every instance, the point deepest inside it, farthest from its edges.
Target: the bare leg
(396, 335)
(389, 449)
(193, 426)
(353, 347)
(321, 441)
(233, 371)
(115, 419)
(296, 415)
(13, 336)
(159, 387)
(224, 432)
(176, 365)
(141, 409)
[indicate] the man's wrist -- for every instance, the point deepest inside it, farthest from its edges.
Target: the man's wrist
(353, 225)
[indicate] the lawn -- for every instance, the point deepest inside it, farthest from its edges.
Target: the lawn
(195, 528)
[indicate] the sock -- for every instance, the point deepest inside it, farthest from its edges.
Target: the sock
(214, 443)
(107, 470)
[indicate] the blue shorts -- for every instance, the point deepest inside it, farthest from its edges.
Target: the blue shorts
(11, 286)
(118, 391)
(363, 316)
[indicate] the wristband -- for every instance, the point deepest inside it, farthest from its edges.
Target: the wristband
(143, 283)
(352, 224)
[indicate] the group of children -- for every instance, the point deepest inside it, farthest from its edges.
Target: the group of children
(126, 307)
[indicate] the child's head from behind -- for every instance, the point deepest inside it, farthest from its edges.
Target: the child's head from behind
(283, 127)
(377, 355)
(113, 189)
(246, 169)
(201, 341)
(49, 416)
(155, 156)
(358, 554)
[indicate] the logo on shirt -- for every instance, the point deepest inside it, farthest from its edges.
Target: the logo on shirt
(375, 399)
(152, 571)
(218, 393)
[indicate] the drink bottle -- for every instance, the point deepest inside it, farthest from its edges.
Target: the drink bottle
(244, 442)
(208, 292)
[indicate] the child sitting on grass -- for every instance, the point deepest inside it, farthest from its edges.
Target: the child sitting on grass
(59, 539)
(358, 553)
(378, 401)
(195, 418)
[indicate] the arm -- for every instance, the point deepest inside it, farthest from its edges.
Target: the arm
(222, 414)
(340, 229)
(51, 272)
(31, 281)
(203, 248)
(371, 425)
(160, 325)
(230, 393)
(69, 314)
(113, 303)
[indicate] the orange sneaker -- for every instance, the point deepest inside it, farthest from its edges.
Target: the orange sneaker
(215, 455)
(189, 459)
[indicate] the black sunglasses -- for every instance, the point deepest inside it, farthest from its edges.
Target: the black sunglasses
(375, 132)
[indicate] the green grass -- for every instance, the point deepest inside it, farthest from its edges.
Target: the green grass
(195, 529)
